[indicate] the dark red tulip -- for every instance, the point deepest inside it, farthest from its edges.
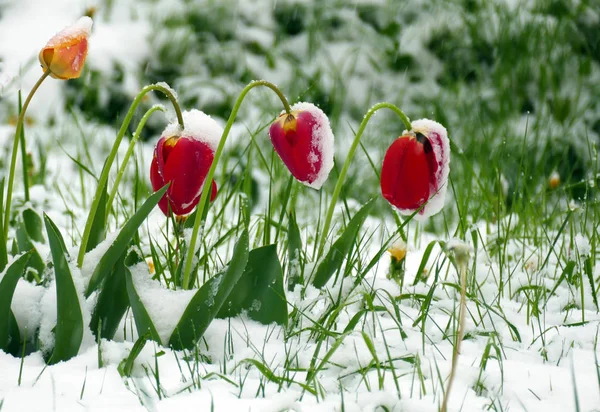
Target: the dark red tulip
(184, 161)
(415, 169)
(304, 141)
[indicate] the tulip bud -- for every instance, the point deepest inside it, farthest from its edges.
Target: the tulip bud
(304, 141)
(554, 180)
(183, 158)
(415, 169)
(65, 53)
(397, 260)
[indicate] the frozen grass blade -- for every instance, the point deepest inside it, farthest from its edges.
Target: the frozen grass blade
(208, 301)
(295, 262)
(259, 291)
(336, 255)
(69, 324)
(126, 366)
(134, 139)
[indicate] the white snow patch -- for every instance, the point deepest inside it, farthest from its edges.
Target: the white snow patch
(92, 258)
(25, 306)
(582, 243)
(82, 27)
(199, 126)
(164, 306)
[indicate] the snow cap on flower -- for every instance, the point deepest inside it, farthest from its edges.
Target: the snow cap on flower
(64, 54)
(398, 250)
(183, 158)
(461, 249)
(304, 141)
(554, 180)
(415, 169)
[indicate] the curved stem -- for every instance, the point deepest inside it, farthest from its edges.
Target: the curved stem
(206, 188)
(24, 155)
(162, 87)
(134, 139)
(13, 159)
(349, 156)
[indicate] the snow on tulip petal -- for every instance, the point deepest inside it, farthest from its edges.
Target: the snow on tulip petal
(304, 141)
(199, 126)
(415, 169)
(65, 53)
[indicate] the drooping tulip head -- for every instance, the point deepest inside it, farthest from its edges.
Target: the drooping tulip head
(183, 158)
(415, 169)
(304, 141)
(65, 53)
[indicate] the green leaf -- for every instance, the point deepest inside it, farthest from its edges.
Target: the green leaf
(33, 225)
(209, 299)
(260, 289)
(28, 230)
(121, 242)
(113, 300)
(14, 345)
(69, 319)
(338, 251)
(143, 322)
(7, 290)
(98, 231)
(295, 267)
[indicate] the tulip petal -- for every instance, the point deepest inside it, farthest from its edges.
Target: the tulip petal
(415, 169)
(64, 55)
(304, 141)
(406, 175)
(186, 168)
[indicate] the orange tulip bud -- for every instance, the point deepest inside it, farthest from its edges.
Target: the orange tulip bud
(65, 53)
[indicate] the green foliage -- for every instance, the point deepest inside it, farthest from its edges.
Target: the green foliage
(210, 298)
(121, 242)
(9, 332)
(68, 332)
(29, 229)
(259, 291)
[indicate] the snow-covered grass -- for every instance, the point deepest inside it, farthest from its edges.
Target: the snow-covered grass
(514, 83)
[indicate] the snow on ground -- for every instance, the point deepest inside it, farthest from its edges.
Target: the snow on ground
(539, 370)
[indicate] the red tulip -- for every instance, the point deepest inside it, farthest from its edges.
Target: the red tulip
(65, 53)
(183, 159)
(415, 169)
(304, 141)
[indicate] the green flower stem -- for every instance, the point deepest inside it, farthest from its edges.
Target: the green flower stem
(13, 159)
(349, 156)
(24, 155)
(134, 139)
(206, 188)
(113, 153)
